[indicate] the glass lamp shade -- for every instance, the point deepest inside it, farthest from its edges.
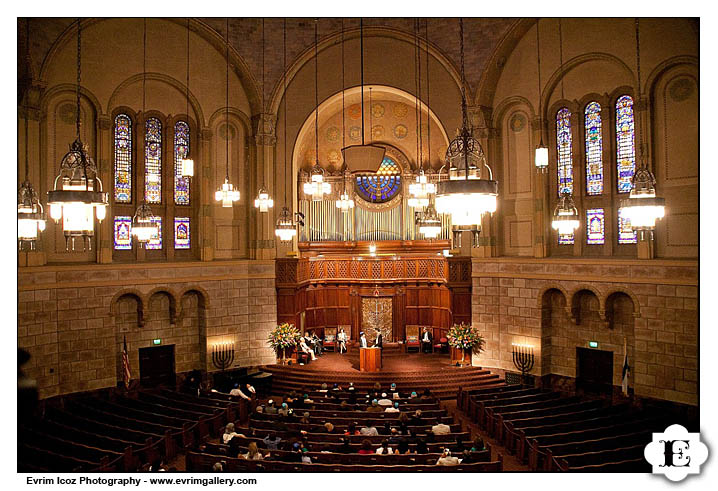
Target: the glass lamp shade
(143, 226)
(466, 200)
(226, 194)
(317, 187)
(565, 215)
(541, 158)
(642, 207)
(187, 167)
(286, 229)
(30, 216)
(419, 191)
(429, 223)
(345, 203)
(263, 201)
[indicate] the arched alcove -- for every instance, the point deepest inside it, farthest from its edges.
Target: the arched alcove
(555, 354)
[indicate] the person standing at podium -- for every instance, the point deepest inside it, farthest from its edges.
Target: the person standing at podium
(378, 341)
(362, 340)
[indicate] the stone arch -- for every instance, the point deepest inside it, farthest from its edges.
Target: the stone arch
(137, 295)
(506, 105)
(192, 324)
(617, 307)
(160, 77)
(656, 74)
(554, 319)
(207, 33)
(551, 286)
(172, 298)
(579, 306)
(631, 295)
(61, 89)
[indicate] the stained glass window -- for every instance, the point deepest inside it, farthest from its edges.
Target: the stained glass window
(565, 239)
(181, 150)
(595, 226)
(123, 159)
(156, 241)
(382, 186)
(625, 143)
(626, 234)
(563, 149)
(153, 160)
(594, 149)
(181, 233)
(123, 237)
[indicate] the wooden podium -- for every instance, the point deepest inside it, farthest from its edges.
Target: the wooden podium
(369, 359)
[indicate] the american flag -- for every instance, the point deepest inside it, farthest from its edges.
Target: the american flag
(626, 370)
(126, 373)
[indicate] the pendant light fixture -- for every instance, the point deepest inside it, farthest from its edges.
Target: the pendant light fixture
(345, 202)
(365, 157)
(144, 225)
(30, 213)
(263, 201)
(77, 196)
(565, 215)
(419, 190)
(317, 186)
(429, 221)
(286, 228)
(187, 164)
(541, 156)
(465, 195)
(642, 208)
(226, 192)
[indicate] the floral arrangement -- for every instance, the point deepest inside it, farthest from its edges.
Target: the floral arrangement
(464, 336)
(283, 336)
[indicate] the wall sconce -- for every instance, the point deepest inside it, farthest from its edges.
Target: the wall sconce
(223, 355)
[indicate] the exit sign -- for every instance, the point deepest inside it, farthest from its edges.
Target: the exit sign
(593, 344)
(156, 341)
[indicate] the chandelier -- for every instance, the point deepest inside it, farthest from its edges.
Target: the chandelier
(30, 213)
(263, 201)
(286, 228)
(144, 227)
(364, 157)
(541, 155)
(187, 164)
(317, 187)
(642, 208)
(565, 215)
(465, 195)
(420, 191)
(226, 193)
(345, 202)
(429, 222)
(77, 195)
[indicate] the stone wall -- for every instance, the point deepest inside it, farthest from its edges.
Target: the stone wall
(73, 319)
(558, 305)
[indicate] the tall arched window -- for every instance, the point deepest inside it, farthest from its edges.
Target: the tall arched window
(153, 161)
(123, 159)
(181, 147)
(563, 150)
(594, 149)
(625, 143)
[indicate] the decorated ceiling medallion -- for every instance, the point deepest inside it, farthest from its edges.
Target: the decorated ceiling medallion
(377, 110)
(355, 133)
(354, 111)
(400, 131)
(377, 131)
(333, 134)
(400, 110)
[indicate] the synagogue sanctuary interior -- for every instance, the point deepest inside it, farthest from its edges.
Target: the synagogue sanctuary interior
(392, 244)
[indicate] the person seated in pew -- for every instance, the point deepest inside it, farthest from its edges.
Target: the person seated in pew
(344, 406)
(253, 452)
(375, 407)
(478, 444)
(447, 459)
(272, 441)
(157, 465)
(403, 421)
(394, 437)
(352, 429)
(259, 409)
(384, 401)
(440, 428)
(392, 388)
(270, 409)
(305, 418)
(329, 427)
(323, 388)
(384, 448)
(237, 392)
(345, 447)
(415, 419)
(426, 396)
(377, 387)
(234, 447)
(369, 430)
(403, 447)
(386, 429)
(429, 435)
(305, 458)
(229, 433)
(413, 395)
(337, 388)
(467, 457)
(284, 410)
(394, 409)
(218, 466)
(421, 446)
(366, 447)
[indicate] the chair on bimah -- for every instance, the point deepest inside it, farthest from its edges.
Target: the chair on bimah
(442, 345)
(412, 339)
(330, 339)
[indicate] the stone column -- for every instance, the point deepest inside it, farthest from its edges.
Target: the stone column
(105, 230)
(541, 201)
(261, 240)
(206, 190)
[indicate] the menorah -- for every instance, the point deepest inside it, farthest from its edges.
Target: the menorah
(223, 355)
(523, 356)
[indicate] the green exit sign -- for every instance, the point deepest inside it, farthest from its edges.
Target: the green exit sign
(156, 341)
(593, 344)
